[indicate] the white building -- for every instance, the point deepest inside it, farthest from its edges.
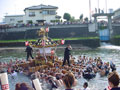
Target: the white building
(116, 16)
(14, 19)
(34, 14)
(40, 13)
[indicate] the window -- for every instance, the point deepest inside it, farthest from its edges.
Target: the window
(45, 12)
(52, 12)
(40, 11)
(12, 19)
(31, 13)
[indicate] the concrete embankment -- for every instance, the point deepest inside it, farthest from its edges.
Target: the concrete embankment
(60, 31)
(93, 43)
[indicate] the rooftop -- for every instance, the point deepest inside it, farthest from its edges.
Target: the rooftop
(117, 10)
(14, 15)
(41, 6)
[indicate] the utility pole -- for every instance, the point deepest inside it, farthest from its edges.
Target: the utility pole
(98, 6)
(15, 8)
(106, 5)
(90, 9)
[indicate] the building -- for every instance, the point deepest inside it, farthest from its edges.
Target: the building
(34, 15)
(40, 13)
(13, 20)
(116, 16)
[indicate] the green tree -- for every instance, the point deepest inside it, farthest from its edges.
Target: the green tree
(86, 19)
(72, 19)
(81, 17)
(30, 22)
(67, 16)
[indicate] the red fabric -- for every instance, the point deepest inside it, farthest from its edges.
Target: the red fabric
(62, 42)
(52, 51)
(26, 43)
(47, 29)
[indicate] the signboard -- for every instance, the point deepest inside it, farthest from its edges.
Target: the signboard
(91, 27)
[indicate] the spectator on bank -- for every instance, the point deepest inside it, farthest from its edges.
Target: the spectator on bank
(69, 81)
(85, 86)
(113, 80)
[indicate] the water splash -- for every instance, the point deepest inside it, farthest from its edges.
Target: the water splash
(109, 46)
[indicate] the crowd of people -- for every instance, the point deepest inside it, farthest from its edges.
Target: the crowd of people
(7, 26)
(63, 76)
(57, 76)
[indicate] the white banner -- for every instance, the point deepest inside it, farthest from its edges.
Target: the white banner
(4, 81)
(37, 84)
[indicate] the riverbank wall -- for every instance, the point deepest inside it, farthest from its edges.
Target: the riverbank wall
(93, 43)
(115, 41)
(115, 35)
(60, 32)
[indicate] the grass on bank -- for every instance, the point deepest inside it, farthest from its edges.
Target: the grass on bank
(23, 40)
(117, 36)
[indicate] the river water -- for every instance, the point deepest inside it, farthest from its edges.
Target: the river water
(106, 52)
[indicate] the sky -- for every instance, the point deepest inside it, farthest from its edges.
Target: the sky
(74, 7)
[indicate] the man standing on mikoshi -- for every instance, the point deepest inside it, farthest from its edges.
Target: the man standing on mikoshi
(29, 50)
(67, 55)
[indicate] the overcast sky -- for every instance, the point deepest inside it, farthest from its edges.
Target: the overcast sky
(74, 7)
